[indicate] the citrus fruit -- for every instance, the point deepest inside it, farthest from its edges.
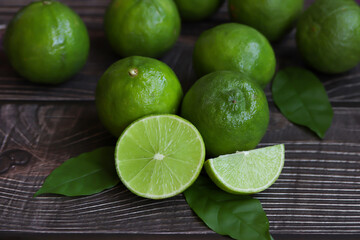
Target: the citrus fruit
(328, 35)
(144, 28)
(247, 172)
(46, 42)
(196, 10)
(134, 87)
(236, 47)
(273, 18)
(159, 156)
(230, 111)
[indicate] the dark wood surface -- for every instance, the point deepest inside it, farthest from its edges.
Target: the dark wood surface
(317, 195)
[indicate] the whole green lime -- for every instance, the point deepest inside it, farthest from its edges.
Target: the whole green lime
(134, 87)
(328, 35)
(273, 18)
(144, 28)
(236, 47)
(47, 42)
(196, 10)
(229, 110)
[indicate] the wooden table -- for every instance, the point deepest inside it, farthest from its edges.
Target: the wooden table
(317, 195)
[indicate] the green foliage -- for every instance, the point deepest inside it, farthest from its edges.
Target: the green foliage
(239, 216)
(302, 99)
(85, 174)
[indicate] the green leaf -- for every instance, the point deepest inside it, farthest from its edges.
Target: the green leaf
(239, 216)
(302, 99)
(85, 174)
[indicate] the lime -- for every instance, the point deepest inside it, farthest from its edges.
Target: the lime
(197, 10)
(144, 28)
(159, 156)
(328, 35)
(47, 42)
(230, 111)
(273, 18)
(236, 47)
(247, 172)
(134, 87)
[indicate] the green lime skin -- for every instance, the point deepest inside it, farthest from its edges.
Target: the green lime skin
(235, 47)
(134, 87)
(46, 42)
(273, 18)
(197, 10)
(328, 35)
(230, 111)
(143, 28)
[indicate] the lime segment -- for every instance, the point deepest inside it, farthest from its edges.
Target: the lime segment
(247, 172)
(159, 156)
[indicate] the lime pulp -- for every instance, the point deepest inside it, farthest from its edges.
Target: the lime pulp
(159, 156)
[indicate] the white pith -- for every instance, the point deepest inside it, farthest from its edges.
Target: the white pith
(159, 156)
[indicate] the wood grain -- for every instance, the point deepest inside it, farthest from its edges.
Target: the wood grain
(81, 87)
(318, 190)
(41, 126)
(342, 88)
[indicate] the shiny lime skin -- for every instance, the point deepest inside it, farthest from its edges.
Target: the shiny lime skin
(328, 35)
(144, 28)
(46, 42)
(196, 10)
(236, 47)
(134, 87)
(273, 18)
(229, 110)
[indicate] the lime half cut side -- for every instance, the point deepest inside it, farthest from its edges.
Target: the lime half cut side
(247, 172)
(159, 156)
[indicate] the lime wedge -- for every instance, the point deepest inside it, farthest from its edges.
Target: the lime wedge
(247, 172)
(159, 156)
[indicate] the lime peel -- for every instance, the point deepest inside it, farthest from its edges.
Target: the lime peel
(268, 161)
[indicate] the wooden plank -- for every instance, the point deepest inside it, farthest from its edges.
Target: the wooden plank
(82, 86)
(91, 12)
(90, 3)
(317, 192)
(46, 236)
(342, 88)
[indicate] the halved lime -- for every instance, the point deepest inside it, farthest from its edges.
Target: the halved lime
(247, 172)
(159, 156)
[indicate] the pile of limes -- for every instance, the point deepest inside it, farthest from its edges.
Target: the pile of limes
(159, 154)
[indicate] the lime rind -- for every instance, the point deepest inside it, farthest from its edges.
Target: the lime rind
(222, 173)
(149, 182)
